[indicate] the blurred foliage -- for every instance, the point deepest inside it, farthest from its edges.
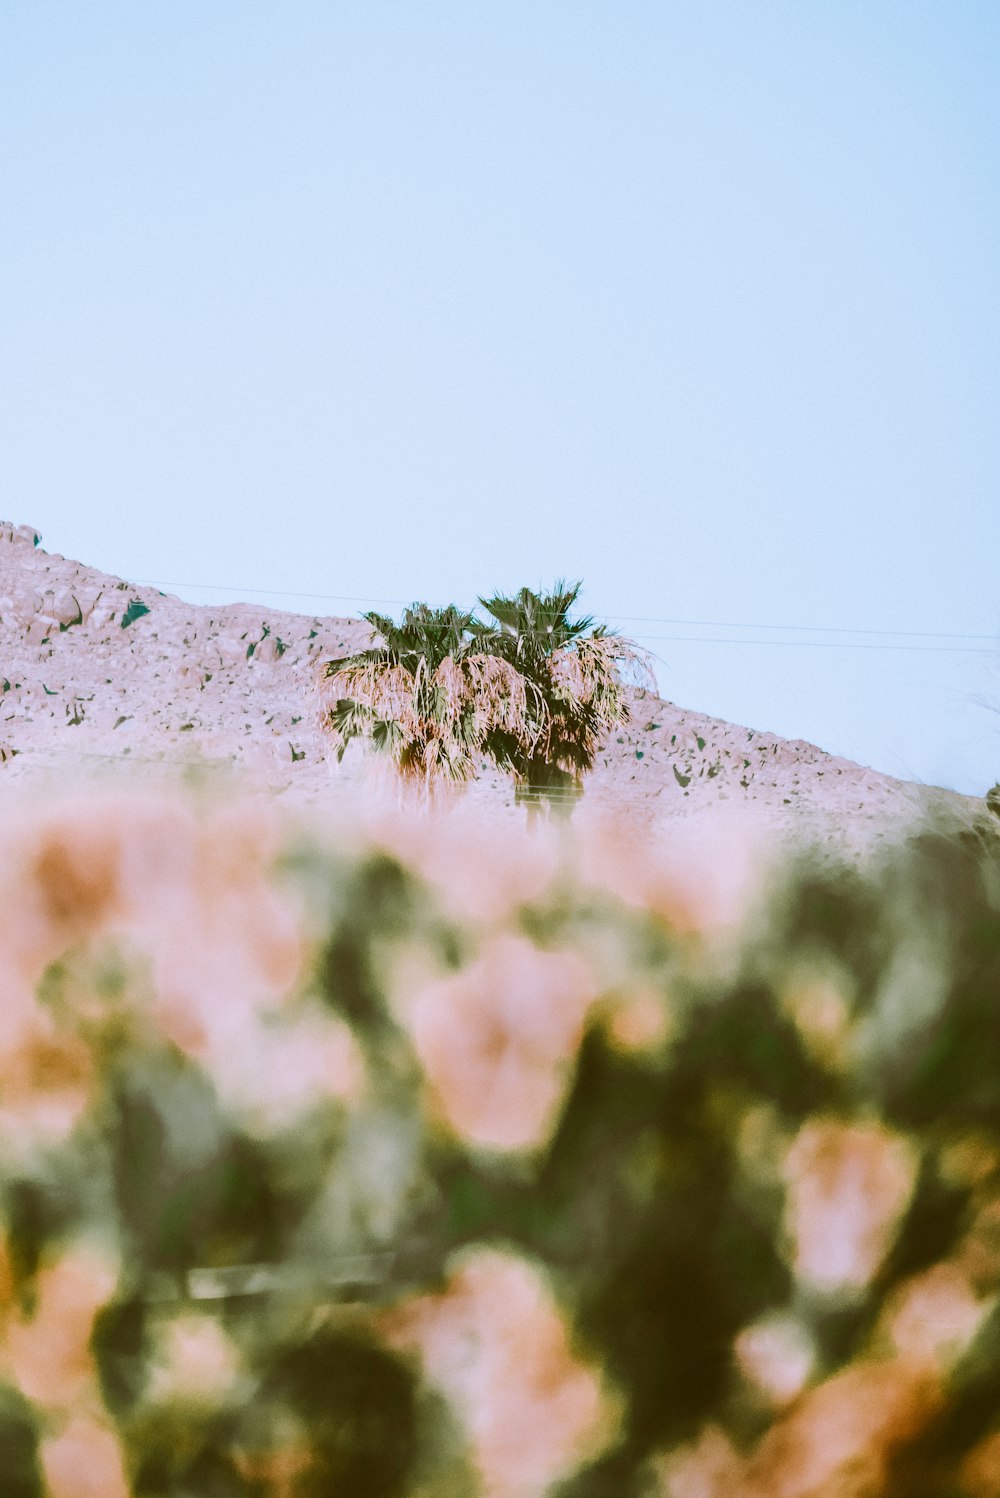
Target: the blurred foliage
(365, 1165)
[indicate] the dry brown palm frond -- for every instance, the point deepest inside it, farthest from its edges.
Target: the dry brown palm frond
(319, 699)
(435, 716)
(443, 759)
(387, 690)
(591, 668)
(502, 697)
(569, 676)
(453, 681)
(634, 664)
(586, 675)
(367, 680)
(480, 693)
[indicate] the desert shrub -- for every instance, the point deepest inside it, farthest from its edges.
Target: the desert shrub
(376, 1164)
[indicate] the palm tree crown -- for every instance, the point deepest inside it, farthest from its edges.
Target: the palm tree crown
(531, 690)
(576, 668)
(423, 695)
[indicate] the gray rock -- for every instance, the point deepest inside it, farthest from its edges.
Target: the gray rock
(19, 535)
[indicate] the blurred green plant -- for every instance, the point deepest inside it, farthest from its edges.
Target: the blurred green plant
(363, 1188)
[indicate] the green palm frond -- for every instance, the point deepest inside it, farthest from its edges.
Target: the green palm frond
(361, 659)
(387, 736)
(537, 620)
(348, 720)
(424, 633)
(381, 625)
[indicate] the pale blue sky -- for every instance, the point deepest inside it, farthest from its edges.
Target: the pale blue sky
(697, 301)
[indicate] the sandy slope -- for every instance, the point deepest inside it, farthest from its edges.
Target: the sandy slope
(232, 689)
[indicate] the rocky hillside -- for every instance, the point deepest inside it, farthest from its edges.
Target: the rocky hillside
(98, 674)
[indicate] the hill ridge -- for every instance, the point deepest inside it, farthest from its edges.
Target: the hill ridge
(96, 670)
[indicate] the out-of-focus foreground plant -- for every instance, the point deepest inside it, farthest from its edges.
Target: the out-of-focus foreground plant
(373, 1165)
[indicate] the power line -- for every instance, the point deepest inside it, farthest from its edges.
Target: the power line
(927, 634)
(823, 644)
(824, 629)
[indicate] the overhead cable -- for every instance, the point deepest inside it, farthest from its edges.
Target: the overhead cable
(917, 634)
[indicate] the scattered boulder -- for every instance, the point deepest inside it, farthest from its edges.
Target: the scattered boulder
(19, 535)
(60, 608)
(269, 649)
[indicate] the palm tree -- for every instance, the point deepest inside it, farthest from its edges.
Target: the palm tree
(578, 672)
(425, 697)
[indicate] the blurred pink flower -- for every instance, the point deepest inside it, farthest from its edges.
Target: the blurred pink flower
(499, 1039)
(777, 1355)
(280, 1070)
(709, 1467)
(478, 876)
(496, 1345)
(640, 1020)
(839, 1440)
(48, 1352)
(59, 884)
(848, 1185)
(701, 880)
(45, 1085)
(933, 1317)
(84, 1460)
(193, 1360)
(193, 894)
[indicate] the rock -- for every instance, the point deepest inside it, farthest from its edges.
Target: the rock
(269, 649)
(62, 607)
(19, 535)
(102, 611)
(39, 628)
